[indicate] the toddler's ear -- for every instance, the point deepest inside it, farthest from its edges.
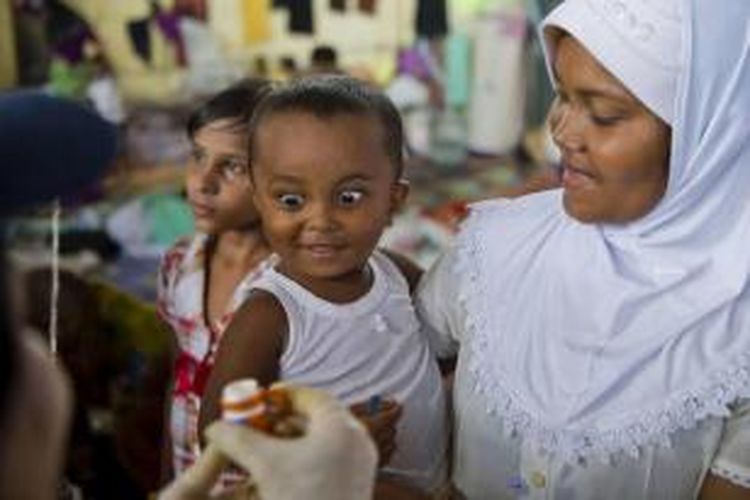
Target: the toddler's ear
(399, 193)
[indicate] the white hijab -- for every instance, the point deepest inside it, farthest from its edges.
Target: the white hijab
(597, 339)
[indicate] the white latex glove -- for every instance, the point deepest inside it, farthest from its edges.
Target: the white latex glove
(334, 460)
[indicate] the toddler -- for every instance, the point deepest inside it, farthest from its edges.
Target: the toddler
(334, 312)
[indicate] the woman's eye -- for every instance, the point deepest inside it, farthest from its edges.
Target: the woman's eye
(350, 197)
(290, 201)
(605, 121)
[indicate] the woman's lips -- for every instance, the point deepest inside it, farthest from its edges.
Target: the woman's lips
(573, 177)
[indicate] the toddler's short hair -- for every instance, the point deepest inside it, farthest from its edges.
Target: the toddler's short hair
(325, 96)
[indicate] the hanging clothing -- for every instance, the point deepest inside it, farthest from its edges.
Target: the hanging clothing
(140, 38)
(227, 24)
(498, 85)
(300, 16)
(432, 18)
(169, 26)
(67, 33)
(192, 8)
(367, 6)
(166, 24)
(338, 5)
(257, 20)
(457, 70)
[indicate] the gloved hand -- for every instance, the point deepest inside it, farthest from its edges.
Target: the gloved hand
(334, 460)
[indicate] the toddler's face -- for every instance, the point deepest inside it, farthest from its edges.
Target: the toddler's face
(325, 189)
(218, 179)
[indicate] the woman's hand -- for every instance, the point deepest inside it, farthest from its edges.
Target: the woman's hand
(381, 425)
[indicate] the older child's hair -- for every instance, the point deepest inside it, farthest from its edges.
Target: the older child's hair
(325, 96)
(236, 103)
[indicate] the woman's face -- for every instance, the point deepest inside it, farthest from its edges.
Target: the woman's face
(615, 152)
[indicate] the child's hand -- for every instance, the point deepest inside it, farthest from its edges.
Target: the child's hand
(381, 425)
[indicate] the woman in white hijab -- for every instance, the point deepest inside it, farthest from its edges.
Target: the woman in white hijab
(603, 329)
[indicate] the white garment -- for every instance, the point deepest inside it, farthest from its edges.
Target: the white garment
(491, 463)
(631, 38)
(372, 346)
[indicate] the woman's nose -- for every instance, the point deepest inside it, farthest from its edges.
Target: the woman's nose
(566, 129)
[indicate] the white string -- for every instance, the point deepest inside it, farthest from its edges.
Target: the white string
(55, 289)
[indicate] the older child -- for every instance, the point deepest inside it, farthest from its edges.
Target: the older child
(201, 280)
(335, 313)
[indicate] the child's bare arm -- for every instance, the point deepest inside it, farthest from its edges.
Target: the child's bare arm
(411, 271)
(250, 347)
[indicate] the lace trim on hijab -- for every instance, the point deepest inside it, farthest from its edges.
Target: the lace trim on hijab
(680, 411)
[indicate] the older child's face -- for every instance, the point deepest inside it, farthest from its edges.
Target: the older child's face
(325, 189)
(614, 150)
(218, 179)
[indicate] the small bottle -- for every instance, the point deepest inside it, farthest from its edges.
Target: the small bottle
(269, 410)
(238, 400)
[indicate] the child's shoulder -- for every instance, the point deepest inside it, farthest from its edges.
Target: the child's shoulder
(177, 258)
(261, 319)
(179, 247)
(405, 266)
(180, 250)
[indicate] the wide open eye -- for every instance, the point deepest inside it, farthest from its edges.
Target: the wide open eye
(290, 201)
(350, 197)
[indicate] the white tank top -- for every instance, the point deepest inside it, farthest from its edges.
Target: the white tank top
(371, 346)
